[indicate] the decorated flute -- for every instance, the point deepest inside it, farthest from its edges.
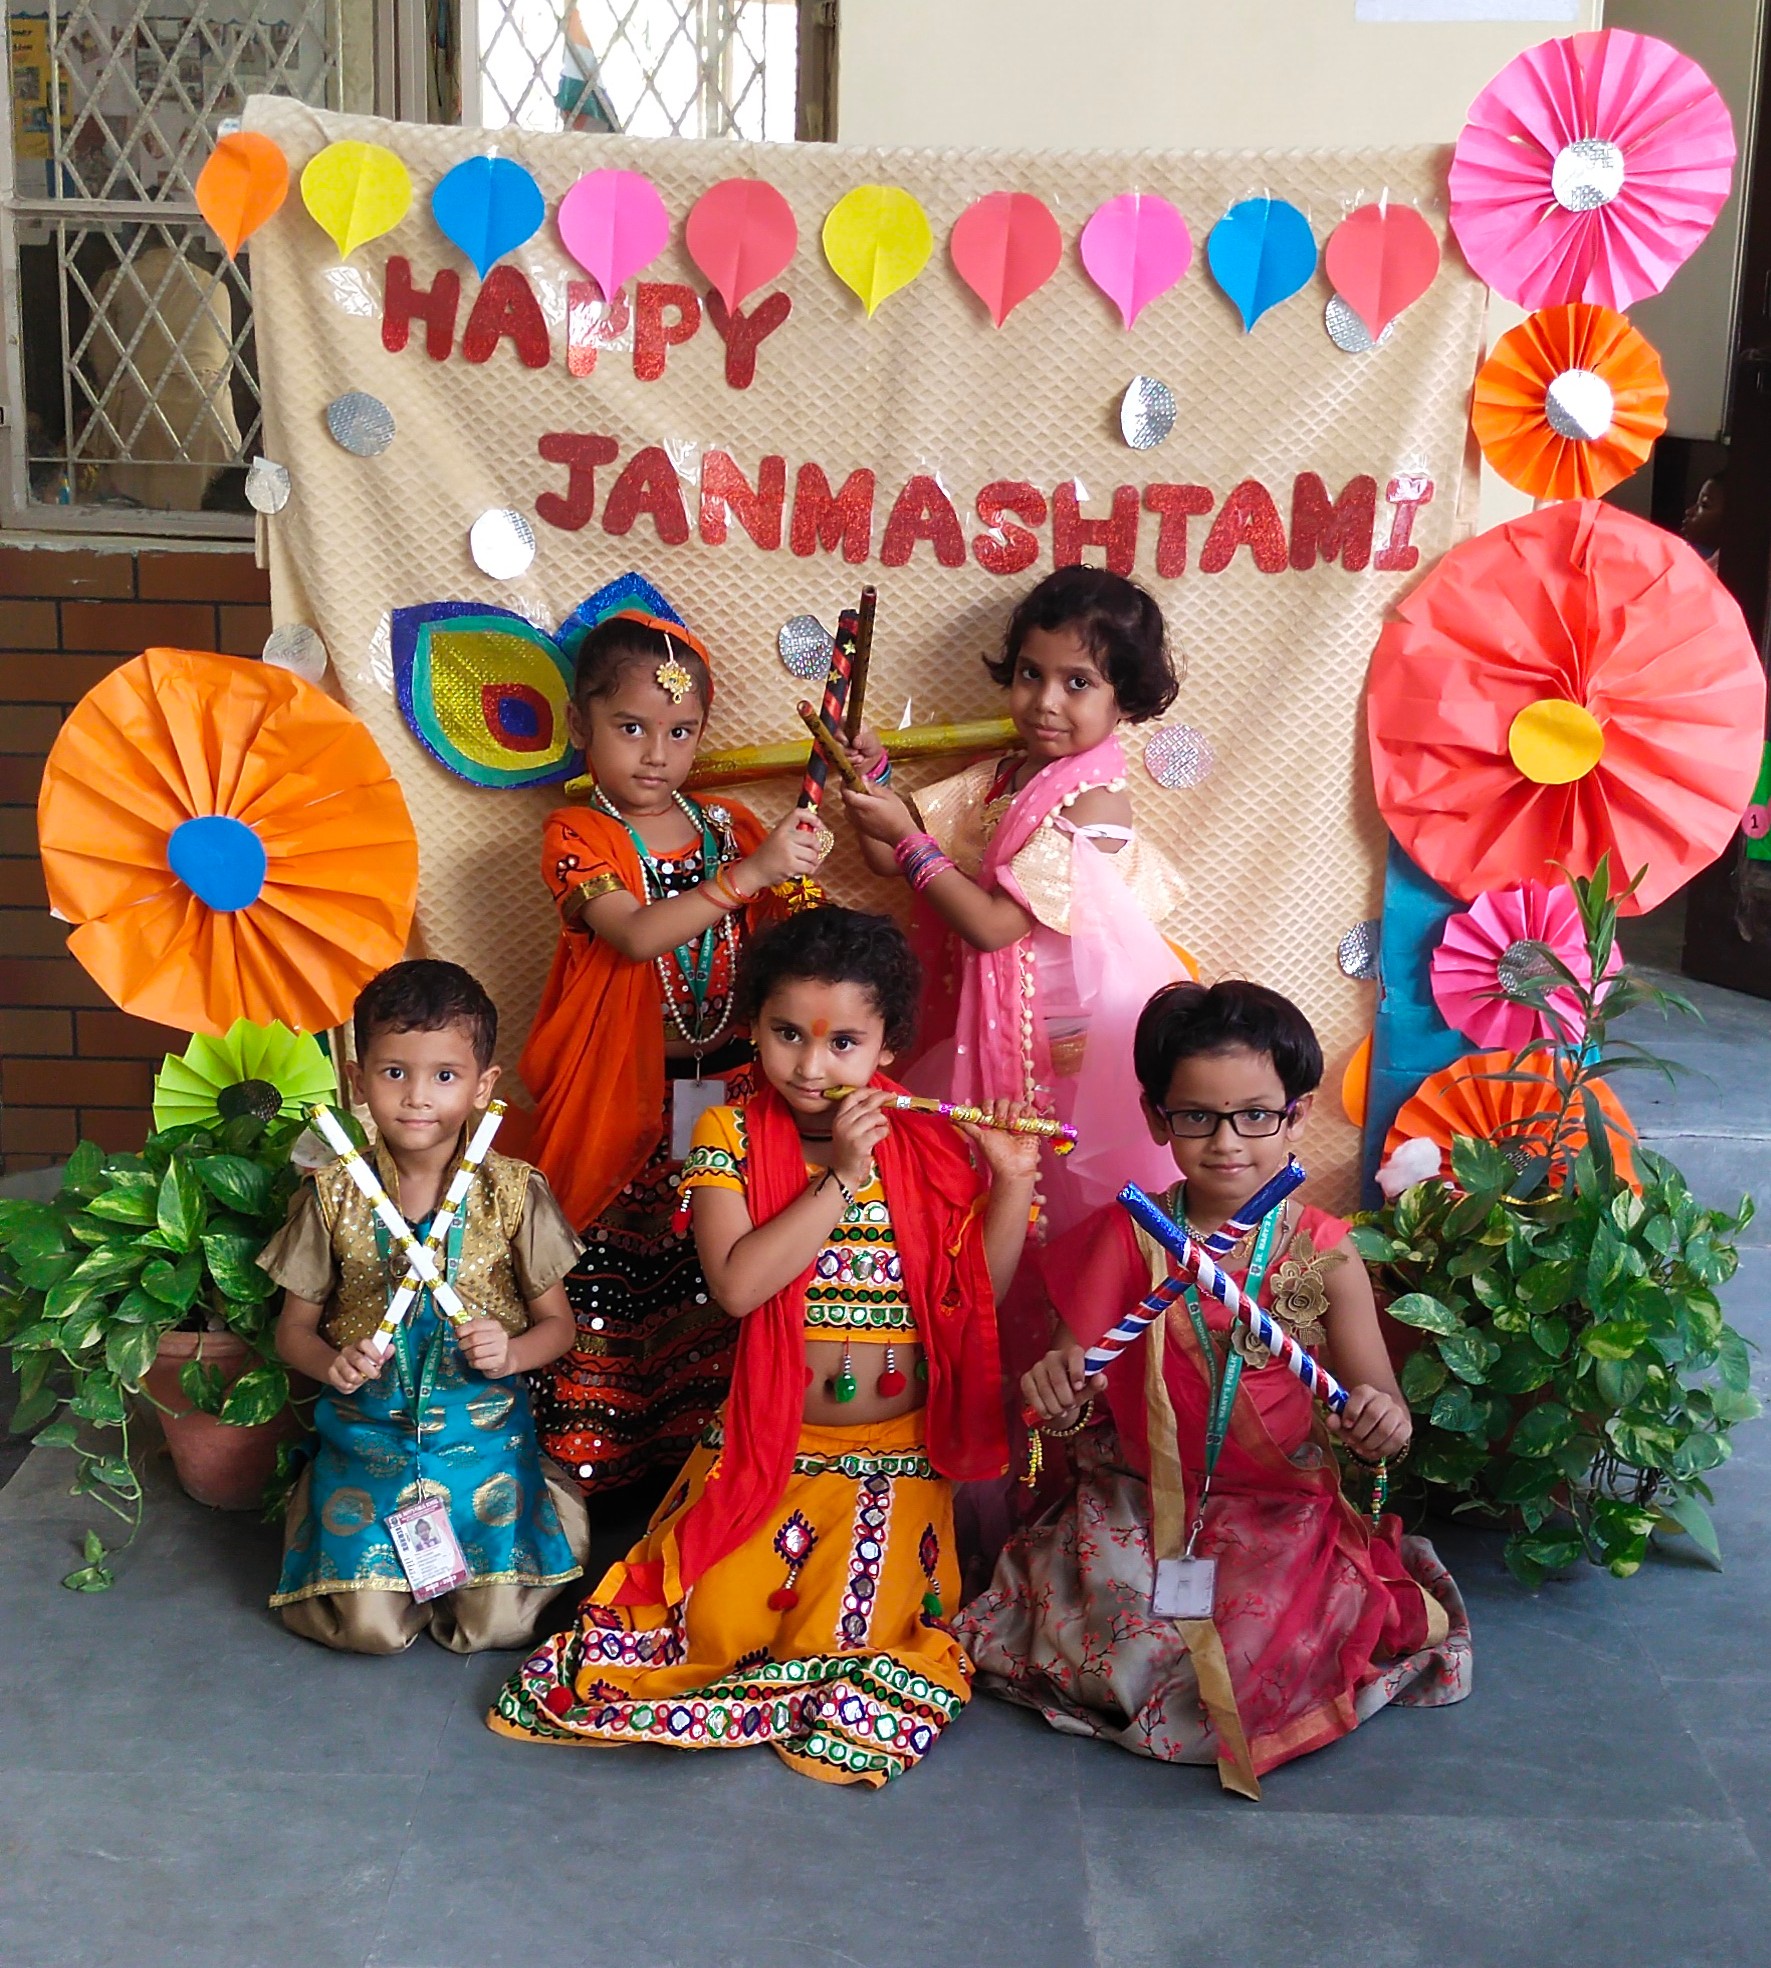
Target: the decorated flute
(478, 1147)
(1194, 1258)
(1060, 1133)
(830, 711)
(418, 1259)
(829, 750)
(856, 714)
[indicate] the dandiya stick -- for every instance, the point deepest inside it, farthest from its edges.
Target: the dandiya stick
(478, 1147)
(829, 750)
(369, 1183)
(830, 712)
(1194, 1258)
(1060, 1133)
(856, 713)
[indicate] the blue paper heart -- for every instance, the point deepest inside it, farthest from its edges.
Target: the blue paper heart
(1261, 252)
(488, 206)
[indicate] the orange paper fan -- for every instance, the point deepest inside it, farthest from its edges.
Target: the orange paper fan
(1569, 403)
(228, 842)
(1510, 1113)
(1567, 685)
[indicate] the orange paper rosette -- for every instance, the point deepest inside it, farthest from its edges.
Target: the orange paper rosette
(1569, 403)
(1570, 684)
(1510, 1113)
(228, 842)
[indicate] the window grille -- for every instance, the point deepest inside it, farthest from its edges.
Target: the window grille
(650, 68)
(131, 394)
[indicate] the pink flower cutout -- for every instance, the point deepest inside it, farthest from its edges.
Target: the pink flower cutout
(1590, 169)
(1492, 946)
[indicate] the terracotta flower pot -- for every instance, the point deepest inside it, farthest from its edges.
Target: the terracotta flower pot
(217, 1463)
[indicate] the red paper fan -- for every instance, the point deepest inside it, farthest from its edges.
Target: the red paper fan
(1570, 684)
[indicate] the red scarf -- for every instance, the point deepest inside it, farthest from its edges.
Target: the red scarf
(933, 1192)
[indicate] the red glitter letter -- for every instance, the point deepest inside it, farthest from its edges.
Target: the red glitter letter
(724, 488)
(1007, 548)
(581, 456)
(648, 484)
(823, 520)
(1249, 519)
(1322, 528)
(590, 325)
(1407, 492)
(743, 334)
(922, 511)
(652, 334)
(506, 306)
(435, 306)
(1174, 505)
(1118, 534)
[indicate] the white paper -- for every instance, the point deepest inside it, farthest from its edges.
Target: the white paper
(689, 1100)
(1561, 11)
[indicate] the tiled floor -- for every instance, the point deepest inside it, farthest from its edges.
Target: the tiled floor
(184, 1784)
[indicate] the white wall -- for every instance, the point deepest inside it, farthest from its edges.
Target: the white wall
(1167, 74)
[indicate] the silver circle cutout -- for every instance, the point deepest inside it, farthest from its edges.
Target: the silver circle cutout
(1178, 757)
(1358, 950)
(1587, 173)
(298, 648)
(1348, 332)
(1146, 412)
(1522, 964)
(267, 486)
(1579, 404)
(502, 543)
(805, 645)
(361, 423)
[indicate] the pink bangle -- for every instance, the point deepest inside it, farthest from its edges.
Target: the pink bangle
(920, 859)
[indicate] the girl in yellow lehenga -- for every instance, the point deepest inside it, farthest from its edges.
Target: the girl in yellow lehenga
(790, 1589)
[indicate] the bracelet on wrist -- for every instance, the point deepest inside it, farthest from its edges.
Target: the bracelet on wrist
(843, 1189)
(1076, 1427)
(879, 773)
(920, 859)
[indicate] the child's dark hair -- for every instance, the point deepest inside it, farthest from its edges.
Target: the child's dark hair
(619, 643)
(1120, 626)
(423, 995)
(1186, 1021)
(836, 946)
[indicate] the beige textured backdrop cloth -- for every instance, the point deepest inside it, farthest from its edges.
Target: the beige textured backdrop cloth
(1281, 845)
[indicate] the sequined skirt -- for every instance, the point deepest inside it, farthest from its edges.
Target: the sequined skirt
(820, 1636)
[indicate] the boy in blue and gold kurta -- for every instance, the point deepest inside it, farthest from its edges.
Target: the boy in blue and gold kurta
(443, 1414)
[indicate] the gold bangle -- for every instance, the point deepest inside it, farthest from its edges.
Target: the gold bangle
(1076, 1427)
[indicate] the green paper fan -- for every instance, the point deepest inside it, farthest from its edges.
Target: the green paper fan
(264, 1070)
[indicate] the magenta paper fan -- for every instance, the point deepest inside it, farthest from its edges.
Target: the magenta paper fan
(1493, 946)
(1590, 170)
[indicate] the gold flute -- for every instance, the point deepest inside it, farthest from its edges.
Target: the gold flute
(1060, 1134)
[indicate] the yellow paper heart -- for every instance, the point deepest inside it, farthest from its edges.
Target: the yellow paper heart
(355, 192)
(877, 240)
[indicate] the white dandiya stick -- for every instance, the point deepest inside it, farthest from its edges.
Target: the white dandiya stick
(1193, 1258)
(360, 1172)
(441, 1224)
(1162, 1227)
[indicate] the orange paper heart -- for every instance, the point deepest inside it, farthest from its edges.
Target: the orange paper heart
(242, 184)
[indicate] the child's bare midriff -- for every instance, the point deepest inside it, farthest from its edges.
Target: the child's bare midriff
(824, 1361)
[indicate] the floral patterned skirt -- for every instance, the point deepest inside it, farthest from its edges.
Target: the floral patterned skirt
(820, 1636)
(1066, 1626)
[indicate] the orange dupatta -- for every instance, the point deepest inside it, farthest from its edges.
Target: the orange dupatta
(594, 1058)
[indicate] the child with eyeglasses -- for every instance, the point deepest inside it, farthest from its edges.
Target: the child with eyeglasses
(1305, 1615)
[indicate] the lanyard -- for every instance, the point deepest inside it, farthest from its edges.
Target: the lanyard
(1222, 1383)
(418, 1396)
(694, 961)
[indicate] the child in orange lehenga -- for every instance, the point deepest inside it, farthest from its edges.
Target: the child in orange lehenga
(790, 1589)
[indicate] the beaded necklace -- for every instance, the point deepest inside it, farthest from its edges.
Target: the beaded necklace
(691, 963)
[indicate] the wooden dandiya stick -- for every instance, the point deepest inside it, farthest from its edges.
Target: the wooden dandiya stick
(829, 750)
(478, 1147)
(855, 716)
(1194, 1259)
(359, 1170)
(1060, 1133)
(830, 711)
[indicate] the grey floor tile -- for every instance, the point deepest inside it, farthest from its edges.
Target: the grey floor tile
(1245, 1886)
(215, 1871)
(1730, 1721)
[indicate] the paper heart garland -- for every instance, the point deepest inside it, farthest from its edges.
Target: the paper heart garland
(1261, 252)
(243, 183)
(613, 223)
(488, 206)
(1380, 260)
(1135, 248)
(355, 192)
(1005, 247)
(741, 234)
(877, 239)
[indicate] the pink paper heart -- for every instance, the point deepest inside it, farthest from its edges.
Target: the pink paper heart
(1136, 247)
(1005, 247)
(613, 223)
(1381, 259)
(741, 234)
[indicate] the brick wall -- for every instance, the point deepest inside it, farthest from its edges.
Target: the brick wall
(73, 1064)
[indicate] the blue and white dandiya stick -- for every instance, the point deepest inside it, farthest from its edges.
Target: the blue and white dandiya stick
(1226, 1237)
(1196, 1260)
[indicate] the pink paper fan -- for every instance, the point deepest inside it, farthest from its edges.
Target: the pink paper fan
(1492, 945)
(1590, 170)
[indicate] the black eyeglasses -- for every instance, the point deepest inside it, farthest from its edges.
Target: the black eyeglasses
(1201, 1123)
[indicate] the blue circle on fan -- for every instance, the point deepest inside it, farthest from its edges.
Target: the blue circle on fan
(220, 860)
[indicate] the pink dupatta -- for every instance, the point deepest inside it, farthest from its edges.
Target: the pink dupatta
(1121, 960)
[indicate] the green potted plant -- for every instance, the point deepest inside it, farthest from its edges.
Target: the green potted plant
(1574, 1376)
(135, 1290)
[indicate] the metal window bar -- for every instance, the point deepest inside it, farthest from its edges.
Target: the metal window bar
(129, 386)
